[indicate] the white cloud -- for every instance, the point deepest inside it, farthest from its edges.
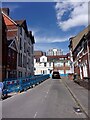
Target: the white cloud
(46, 47)
(51, 39)
(48, 39)
(34, 30)
(77, 13)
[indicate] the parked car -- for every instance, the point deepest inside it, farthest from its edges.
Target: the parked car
(56, 75)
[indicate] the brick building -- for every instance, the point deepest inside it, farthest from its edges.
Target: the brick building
(3, 51)
(20, 46)
(10, 54)
(60, 63)
(80, 53)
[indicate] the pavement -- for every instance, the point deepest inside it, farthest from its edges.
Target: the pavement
(79, 93)
(50, 99)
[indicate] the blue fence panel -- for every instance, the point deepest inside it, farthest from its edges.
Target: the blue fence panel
(20, 84)
(62, 75)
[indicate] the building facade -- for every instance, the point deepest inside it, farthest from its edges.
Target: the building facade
(20, 43)
(47, 64)
(42, 65)
(54, 52)
(3, 51)
(80, 52)
(61, 63)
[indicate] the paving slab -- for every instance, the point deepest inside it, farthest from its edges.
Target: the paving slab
(79, 92)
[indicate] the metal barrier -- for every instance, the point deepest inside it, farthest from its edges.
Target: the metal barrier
(22, 84)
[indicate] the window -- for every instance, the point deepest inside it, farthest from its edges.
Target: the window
(49, 64)
(20, 60)
(85, 47)
(44, 64)
(67, 63)
(21, 30)
(59, 64)
(24, 61)
(25, 49)
(19, 74)
(20, 43)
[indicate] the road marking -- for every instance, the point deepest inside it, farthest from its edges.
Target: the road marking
(35, 115)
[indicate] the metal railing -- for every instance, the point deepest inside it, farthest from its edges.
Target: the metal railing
(22, 84)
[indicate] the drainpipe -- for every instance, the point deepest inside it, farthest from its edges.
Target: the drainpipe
(88, 58)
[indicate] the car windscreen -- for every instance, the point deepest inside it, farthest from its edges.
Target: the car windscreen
(55, 72)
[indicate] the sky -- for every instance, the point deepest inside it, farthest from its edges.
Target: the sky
(52, 23)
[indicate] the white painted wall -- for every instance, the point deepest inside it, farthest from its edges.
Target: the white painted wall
(40, 68)
(43, 59)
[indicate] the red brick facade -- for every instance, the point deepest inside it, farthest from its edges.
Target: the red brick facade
(4, 49)
(60, 59)
(9, 56)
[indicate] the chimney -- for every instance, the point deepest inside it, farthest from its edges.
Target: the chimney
(6, 11)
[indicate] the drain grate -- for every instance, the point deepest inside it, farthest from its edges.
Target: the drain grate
(77, 109)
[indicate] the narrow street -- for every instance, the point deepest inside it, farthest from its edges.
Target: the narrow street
(50, 99)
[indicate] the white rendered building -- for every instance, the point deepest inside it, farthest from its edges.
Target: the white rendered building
(42, 66)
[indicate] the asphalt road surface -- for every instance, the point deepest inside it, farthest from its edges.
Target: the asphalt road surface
(50, 99)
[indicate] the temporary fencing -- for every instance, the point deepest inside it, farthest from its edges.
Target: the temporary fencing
(22, 84)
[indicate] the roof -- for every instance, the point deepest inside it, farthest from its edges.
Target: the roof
(77, 38)
(57, 56)
(23, 24)
(8, 20)
(20, 22)
(37, 58)
(11, 34)
(38, 53)
(50, 58)
(3, 22)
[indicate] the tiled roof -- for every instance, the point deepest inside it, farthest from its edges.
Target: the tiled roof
(23, 24)
(38, 53)
(77, 38)
(20, 22)
(50, 58)
(37, 58)
(58, 56)
(11, 34)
